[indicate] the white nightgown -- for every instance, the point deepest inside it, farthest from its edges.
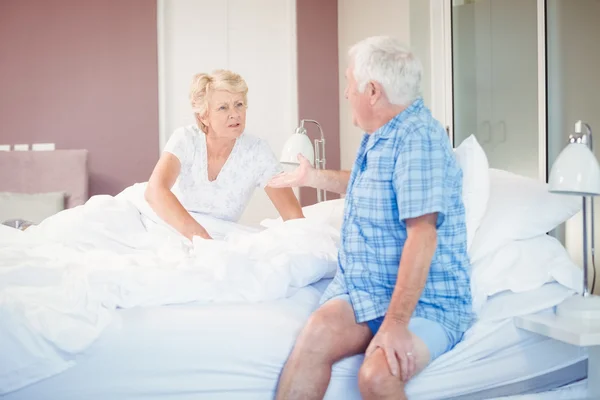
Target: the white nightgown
(251, 164)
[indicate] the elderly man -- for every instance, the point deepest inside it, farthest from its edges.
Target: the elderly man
(401, 292)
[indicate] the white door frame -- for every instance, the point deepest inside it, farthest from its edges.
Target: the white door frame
(441, 70)
(441, 62)
(542, 95)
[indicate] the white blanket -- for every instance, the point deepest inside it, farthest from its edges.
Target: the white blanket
(60, 282)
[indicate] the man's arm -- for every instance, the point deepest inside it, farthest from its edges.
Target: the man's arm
(306, 176)
(393, 336)
(414, 266)
(330, 180)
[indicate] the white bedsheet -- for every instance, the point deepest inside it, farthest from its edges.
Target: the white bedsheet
(61, 282)
(236, 351)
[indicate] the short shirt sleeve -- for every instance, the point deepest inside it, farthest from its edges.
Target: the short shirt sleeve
(419, 177)
(266, 163)
(178, 145)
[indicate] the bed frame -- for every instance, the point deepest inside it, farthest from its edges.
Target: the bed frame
(46, 171)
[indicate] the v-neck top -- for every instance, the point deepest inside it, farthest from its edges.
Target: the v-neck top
(250, 164)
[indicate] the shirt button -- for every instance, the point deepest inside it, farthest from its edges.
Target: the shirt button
(351, 286)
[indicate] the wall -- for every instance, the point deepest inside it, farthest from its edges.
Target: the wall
(256, 39)
(82, 74)
(420, 42)
(573, 87)
(358, 19)
(318, 86)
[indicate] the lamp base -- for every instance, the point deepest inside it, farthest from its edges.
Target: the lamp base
(581, 309)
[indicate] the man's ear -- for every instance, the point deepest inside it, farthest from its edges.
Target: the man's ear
(375, 91)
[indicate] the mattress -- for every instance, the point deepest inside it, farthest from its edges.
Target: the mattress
(236, 351)
(575, 391)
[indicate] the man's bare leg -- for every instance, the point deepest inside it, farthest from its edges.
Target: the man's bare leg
(330, 335)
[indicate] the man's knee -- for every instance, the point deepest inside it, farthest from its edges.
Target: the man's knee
(331, 333)
(375, 378)
(318, 335)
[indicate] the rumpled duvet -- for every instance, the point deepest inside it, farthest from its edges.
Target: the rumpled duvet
(61, 281)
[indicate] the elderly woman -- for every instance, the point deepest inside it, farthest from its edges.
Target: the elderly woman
(212, 166)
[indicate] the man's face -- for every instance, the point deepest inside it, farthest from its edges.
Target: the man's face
(359, 102)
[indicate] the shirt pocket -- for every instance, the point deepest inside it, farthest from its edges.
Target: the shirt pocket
(373, 198)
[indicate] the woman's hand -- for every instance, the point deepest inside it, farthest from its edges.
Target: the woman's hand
(304, 175)
(197, 230)
(206, 236)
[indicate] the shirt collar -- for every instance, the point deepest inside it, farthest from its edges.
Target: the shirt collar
(393, 123)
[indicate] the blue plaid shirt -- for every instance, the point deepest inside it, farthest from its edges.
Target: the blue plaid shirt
(404, 170)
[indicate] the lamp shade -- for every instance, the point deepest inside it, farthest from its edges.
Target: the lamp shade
(575, 171)
(298, 143)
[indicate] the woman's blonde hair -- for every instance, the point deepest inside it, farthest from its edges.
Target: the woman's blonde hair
(204, 84)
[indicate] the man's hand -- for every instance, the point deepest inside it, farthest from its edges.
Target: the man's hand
(396, 342)
(301, 176)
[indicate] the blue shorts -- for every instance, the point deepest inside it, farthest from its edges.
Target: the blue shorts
(437, 339)
(433, 334)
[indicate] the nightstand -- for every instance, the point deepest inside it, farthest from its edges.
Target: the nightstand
(557, 328)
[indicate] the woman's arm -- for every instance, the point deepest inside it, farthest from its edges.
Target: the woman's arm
(164, 203)
(285, 202)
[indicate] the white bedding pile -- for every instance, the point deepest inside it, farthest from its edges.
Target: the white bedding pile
(60, 282)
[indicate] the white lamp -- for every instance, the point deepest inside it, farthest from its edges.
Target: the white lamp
(299, 143)
(576, 172)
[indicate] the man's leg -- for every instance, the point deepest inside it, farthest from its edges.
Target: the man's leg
(377, 382)
(430, 340)
(330, 335)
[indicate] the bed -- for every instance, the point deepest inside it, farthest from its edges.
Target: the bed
(236, 352)
(184, 347)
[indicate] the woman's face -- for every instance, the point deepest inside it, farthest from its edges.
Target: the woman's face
(226, 114)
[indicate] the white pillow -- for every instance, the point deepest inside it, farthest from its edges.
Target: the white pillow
(521, 266)
(519, 208)
(476, 183)
(509, 304)
(330, 212)
(33, 207)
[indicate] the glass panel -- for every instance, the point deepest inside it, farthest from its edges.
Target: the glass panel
(495, 64)
(573, 55)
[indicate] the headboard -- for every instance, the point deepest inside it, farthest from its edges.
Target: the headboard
(46, 171)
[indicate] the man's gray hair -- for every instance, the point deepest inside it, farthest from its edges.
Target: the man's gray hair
(386, 60)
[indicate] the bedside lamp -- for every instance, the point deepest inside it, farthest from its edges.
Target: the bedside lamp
(299, 143)
(576, 172)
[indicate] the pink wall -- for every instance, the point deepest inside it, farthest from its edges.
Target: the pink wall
(83, 74)
(318, 87)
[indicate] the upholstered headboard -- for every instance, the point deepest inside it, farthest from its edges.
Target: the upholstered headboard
(46, 171)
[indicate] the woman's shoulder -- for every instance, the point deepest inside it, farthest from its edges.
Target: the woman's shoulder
(183, 142)
(188, 132)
